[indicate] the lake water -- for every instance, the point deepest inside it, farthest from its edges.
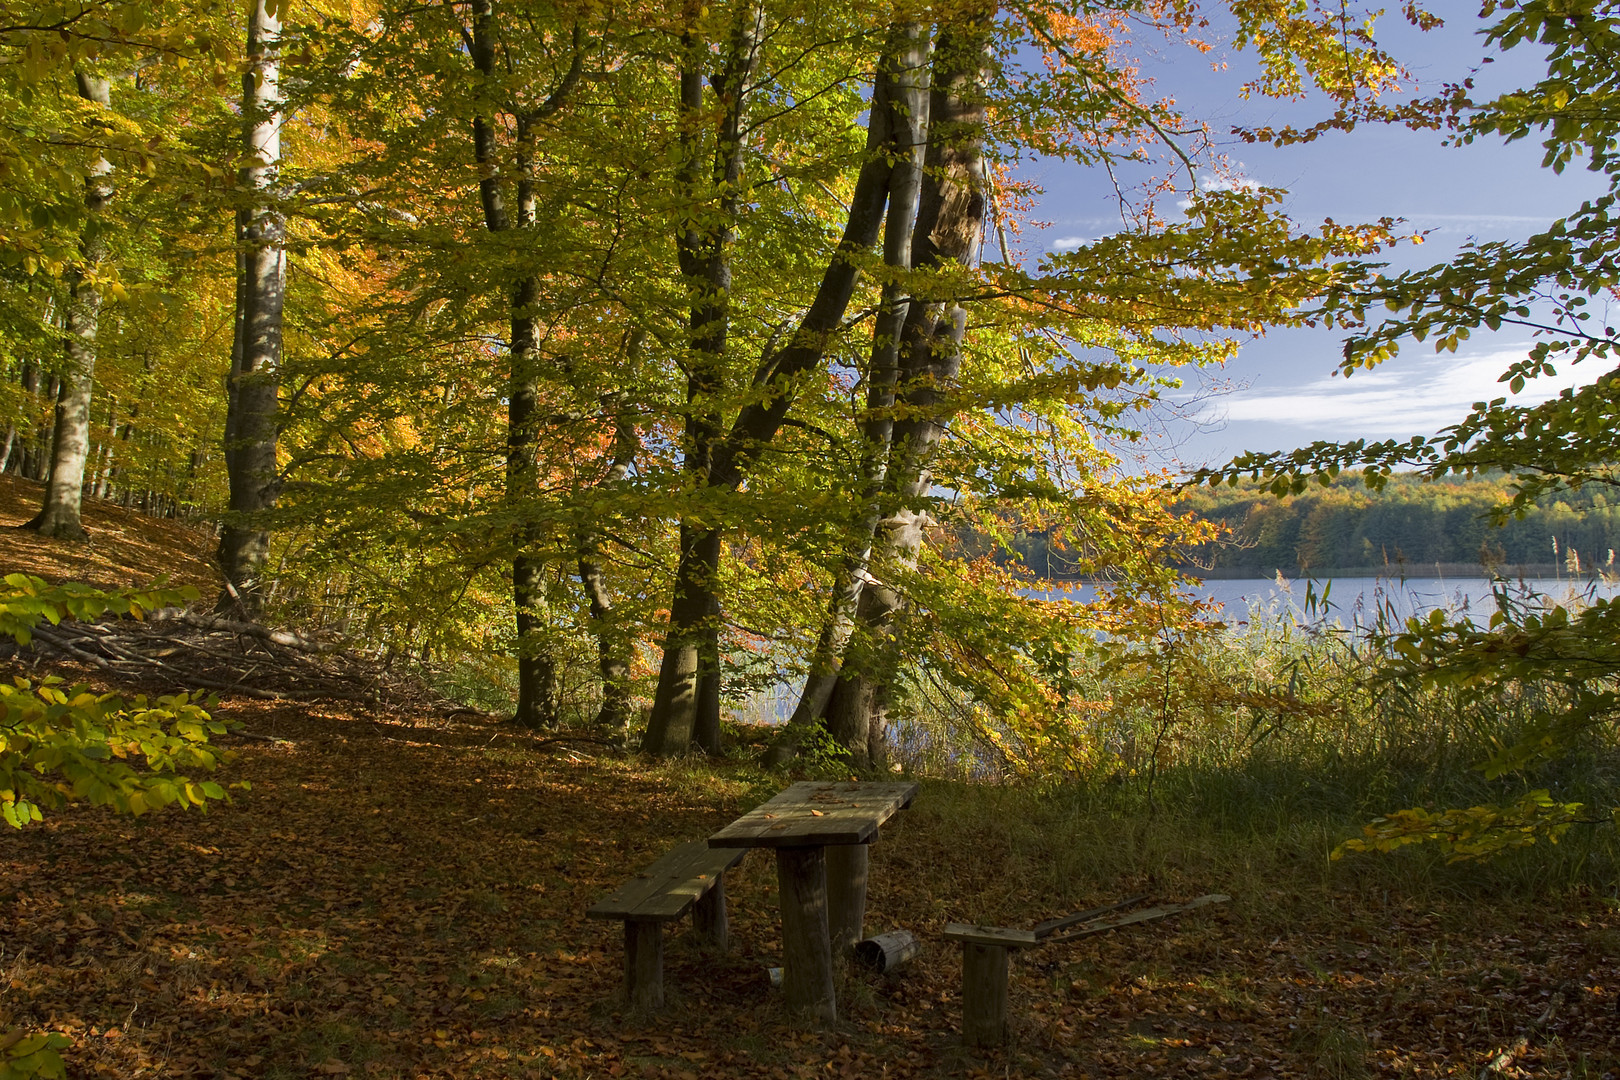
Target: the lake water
(1355, 600)
(1350, 601)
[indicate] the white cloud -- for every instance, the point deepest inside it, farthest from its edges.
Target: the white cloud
(1400, 398)
(1069, 243)
(1478, 224)
(1209, 182)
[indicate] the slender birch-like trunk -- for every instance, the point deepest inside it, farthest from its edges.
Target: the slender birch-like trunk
(70, 437)
(612, 644)
(682, 694)
(253, 389)
(949, 229)
(906, 98)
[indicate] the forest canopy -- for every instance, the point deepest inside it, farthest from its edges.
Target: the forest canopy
(639, 348)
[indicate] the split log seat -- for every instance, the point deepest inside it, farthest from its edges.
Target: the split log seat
(691, 877)
(986, 949)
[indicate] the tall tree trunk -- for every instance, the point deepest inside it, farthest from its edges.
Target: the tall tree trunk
(950, 228)
(686, 704)
(905, 97)
(28, 437)
(538, 688)
(70, 439)
(612, 645)
(47, 434)
(261, 286)
(680, 689)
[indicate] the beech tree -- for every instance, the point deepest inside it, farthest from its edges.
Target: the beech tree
(70, 432)
(649, 332)
(685, 710)
(253, 386)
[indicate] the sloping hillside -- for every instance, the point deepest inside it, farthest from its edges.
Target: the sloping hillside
(125, 546)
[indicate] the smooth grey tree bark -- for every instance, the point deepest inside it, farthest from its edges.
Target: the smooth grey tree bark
(909, 116)
(70, 438)
(683, 694)
(253, 389)
(951, 213)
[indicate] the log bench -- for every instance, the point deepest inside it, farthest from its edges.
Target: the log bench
(987, 949)
(691, 877)
(985, 953)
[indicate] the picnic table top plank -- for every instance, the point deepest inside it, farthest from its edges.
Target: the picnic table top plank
(815, 813)
(667, 889)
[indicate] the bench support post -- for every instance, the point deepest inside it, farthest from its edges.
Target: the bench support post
(984, 994)
(846, 896)
(807, 978)
(709, 915)
(644, 964)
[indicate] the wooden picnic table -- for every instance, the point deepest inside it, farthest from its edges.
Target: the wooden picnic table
(820, 831)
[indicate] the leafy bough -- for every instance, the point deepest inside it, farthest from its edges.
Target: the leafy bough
(1571, 656)
(61, 743)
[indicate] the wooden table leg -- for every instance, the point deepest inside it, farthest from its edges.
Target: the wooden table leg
(801, 874)
(846, 896)
(644, 964)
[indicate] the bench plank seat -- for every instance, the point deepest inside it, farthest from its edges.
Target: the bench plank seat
(689, 877)
(992, 935)
(666, 890)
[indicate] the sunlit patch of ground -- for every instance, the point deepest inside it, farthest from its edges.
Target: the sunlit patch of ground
(125, 547)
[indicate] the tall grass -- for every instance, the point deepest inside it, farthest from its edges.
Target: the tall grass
(1280, 736)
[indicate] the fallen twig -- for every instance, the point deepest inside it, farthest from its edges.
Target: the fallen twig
(1504, 1059)
(1145, 915)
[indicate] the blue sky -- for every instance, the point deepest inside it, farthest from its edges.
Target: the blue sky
(1281, 390)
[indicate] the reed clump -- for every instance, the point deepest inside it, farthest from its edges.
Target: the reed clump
(1257, 748)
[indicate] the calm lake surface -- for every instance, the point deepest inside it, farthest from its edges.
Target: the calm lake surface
(1350, 601)
(1357, 599)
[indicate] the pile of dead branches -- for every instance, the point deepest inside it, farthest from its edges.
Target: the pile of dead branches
(186, 650)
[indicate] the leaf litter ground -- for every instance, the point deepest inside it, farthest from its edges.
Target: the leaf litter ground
(404, 896)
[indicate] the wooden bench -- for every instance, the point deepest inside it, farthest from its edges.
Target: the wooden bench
(987, 949)
(691, 877)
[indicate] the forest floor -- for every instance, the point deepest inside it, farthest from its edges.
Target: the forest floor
(126, 547)
(403, 891)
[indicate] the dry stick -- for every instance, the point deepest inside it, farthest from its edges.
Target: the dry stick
(1502, 1061)
(287, 638)
(194, 680)
(103, 638)
(1145, 915)
(74, 651)
(553, 741)
(1051, 926)
(202, 649)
